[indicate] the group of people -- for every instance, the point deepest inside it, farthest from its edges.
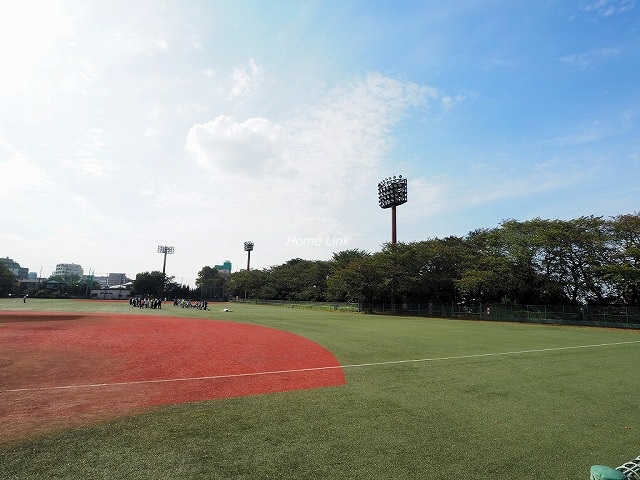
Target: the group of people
(144, 302)
(149, 302)
(181, 302)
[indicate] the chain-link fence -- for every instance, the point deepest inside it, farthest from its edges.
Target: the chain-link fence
(612, 316)
(615, 316)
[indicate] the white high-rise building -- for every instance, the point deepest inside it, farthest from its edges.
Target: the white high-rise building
(64, 268)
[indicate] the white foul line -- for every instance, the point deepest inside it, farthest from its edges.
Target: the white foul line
(479, 355)
(313, 369)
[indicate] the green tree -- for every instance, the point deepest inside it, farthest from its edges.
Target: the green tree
(151, 283)
(438, 264)
(398, 273)
(486, 271)
(585, 260)
(210, 283)
(424, 271)
(7, 281)
(248, 284)
(176, 290)
(298, 279)
(70, 283)
(522, 246)
(338, 285)
(343, 258)
(575, 253)
(622, 272)
(83, 287)
(360, 280)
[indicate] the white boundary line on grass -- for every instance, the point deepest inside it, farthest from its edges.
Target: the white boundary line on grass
(312, 369)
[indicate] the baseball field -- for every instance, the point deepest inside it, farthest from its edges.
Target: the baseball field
(101, 390)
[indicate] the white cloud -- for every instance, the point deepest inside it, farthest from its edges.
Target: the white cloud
(244, 80)
(87, 161)
(78, 76)
(351, 128)
(126, 42)
(151, 133)
(304, 176)
(587, 59)
(346, 133)
(174, 196)
(195, 40)
(228, 146)
(429, 197)
(485, 186)
(28, 30)
(95, 138)
(607, 8)
(79, 200)
(19, 172)
(448, 102)
(597, 131)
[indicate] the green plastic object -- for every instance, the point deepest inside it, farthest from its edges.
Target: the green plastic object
(602, 472)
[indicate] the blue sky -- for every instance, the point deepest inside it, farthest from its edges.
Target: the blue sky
(128, 125)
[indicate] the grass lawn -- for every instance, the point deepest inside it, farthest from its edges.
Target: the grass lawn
(481, 400)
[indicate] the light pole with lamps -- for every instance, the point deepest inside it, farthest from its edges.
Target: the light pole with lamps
(392, 192)
(166, 250)
(248, 247)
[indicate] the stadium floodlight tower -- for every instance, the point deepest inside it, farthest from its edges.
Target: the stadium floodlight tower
(392, 192)
(166, 250)
(248, 247)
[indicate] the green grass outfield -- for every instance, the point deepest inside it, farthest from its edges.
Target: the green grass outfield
(482, 400)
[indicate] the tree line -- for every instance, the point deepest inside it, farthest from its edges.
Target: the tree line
(585, 261)
(589, 260)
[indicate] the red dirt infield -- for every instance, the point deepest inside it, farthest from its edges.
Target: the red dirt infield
(66, 369)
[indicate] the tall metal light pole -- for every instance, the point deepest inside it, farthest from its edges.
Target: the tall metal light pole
(166, 250)
(392, 192)
(248, 246)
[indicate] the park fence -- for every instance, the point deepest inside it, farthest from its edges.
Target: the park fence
(610, 316)
(613, 316)
(310, 305)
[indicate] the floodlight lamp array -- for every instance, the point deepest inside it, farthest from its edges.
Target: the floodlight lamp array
(248, 246)
(392, 191)
(165, 249)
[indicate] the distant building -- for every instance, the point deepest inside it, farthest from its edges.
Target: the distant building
(111, 294)
(225, 268)
(112, 279)
(15, 268)
(32, 284)
(117, 279)
(54, 286)
(65, 268)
